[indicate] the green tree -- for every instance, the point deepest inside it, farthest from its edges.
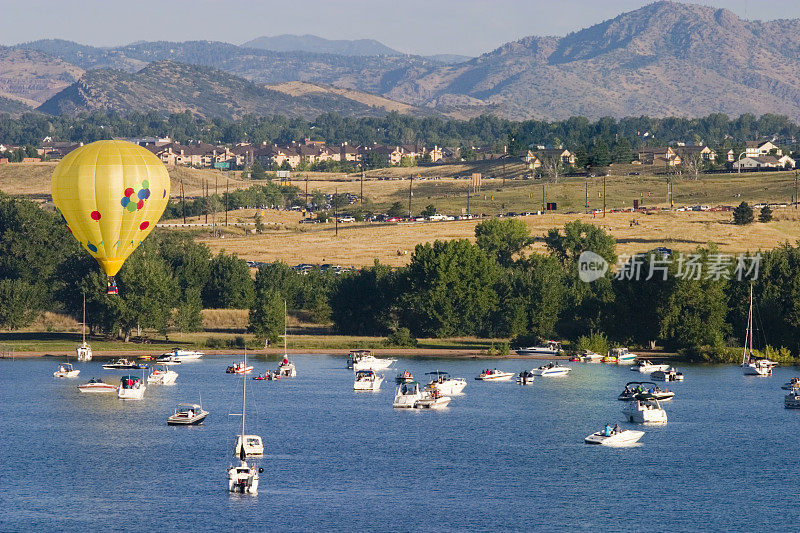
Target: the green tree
(18, 303)
(743, 214)
(259, 224)
(189, 313)
(318, 198)
(429, 210)
(267, 312)
(364, 303)
(396, 210)
(503, 238)
(229, 284)
(599, 155)
(449, 289)
(621, 152)
(765, 215)
(257, 171)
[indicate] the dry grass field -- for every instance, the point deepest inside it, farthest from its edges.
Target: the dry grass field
(392, 244)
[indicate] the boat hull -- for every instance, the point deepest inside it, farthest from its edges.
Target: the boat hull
(369, 386)
(130, 394)
(501, 376)
(372, 363)
(97, 388)
(551, 372)
(624, 438)
(66, 374)
(162, 378)
(432, 403)
(182, 421)
(450, 387)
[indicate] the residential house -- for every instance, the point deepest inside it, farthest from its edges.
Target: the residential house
(659, 156)
(436, 154)
(350, 154)
(57, 149)
(764, 162)
(532, 160)
(760, 148)
(549, 154)
(704, 152)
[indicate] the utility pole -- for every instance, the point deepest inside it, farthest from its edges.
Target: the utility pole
(362, 188)
(587, 195)
(544, 205)
(336, 212)
(205, 197)
(306, 189)
(226, 201)
(183, 202)
(468, 189)
(604, 197)
(795, 189)
(410, 183)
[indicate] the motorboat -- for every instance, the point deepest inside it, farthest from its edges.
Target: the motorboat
(634, 388)
(792, 400)
(356, 356)
(792, 384)
(525, 377)
(168, 360)
(124, 364)
(239, 368)
(643, 366)
(370, 362)
(551, 370)
(588, 356)
(432, 399)
(181, 355)
(445, 384)
(253, 445)
(667, 375)
(286, 369)
(752, 366)
(493, 374)
(66, 370)
(162, 375)
(622, 355)
(244, 477)
(367, 380)
(548, 348)
(267, 376)
(645, 409)
(610, 359)
(614, 437)
(187, 414)
(131, 388)
(407, 395)
(97, 385)
(404, 377)
(84, 351)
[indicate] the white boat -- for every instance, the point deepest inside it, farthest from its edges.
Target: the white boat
(239, 368)
(66, 370)
(667, 375)
(407, 395)
(370, 362)
(181, 355)
(162, 375)
(244, 477)
(551, 370)
(84, 351)
(404, 377)
(432, 399)
(637, 388)
(130, 388)
(367, 380)
(751, 366)
(493, 374)
(792, 400)
(96, 385)
(169, 360)
(124, 364)
(445, 384)
(286, 369)
(187, 414)
(525, 377)
(355, 356)
(548, 348)
(588, 356)
(621, 356)
(644, 366)
(611, 437)
(645, 411)
(792, 384)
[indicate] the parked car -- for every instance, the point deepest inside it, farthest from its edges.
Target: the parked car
(346, 219)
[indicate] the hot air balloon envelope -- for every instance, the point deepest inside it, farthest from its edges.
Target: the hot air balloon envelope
(111, 195)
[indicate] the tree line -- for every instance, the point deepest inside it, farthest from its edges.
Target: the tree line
(489, 288)
(598, 142)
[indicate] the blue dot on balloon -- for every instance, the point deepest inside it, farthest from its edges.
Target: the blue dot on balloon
(147, 193)
(125, 201)
(165, 194)
(91, 246)
(142, 194)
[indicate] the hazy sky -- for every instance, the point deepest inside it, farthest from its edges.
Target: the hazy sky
(415, 26)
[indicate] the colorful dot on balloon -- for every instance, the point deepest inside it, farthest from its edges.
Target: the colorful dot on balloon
(95, 215)
(143, 225)
(128, 191)
(91, 246)
(140, 204)
(131, 207)
(125, 201)
(165, 194)
(146, 193)
(70, 229)
(142, 193)
(145, 184)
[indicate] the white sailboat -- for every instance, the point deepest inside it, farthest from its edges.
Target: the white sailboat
(750, 365)
(286, 368)
(84, 350)
(243, 477)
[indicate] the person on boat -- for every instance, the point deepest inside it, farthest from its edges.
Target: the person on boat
(617, 429)
(285, 360)
(607, 430)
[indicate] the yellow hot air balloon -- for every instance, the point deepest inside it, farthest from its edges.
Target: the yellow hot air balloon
(111, 195)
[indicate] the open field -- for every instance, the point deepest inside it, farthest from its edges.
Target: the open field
(392, 244)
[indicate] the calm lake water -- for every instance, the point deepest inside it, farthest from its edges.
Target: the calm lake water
(501, 456)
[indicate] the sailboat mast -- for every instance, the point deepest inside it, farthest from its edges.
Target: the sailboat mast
(84, 318)
(284, 329)
(750, 320)
(244, 392)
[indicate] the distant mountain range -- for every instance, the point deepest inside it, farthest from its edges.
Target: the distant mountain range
(666, 58)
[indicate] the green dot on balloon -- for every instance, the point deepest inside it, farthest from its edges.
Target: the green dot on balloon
(145, 184)
(131, 207)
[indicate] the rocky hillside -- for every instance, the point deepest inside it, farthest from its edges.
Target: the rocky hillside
(666, 58)
(312, 43)
(170, 87)
(31, 77)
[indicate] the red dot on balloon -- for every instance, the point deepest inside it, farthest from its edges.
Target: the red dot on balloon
(95, 215)
(128, 191)
(70, 229)
(144, 225)
(140, 204)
